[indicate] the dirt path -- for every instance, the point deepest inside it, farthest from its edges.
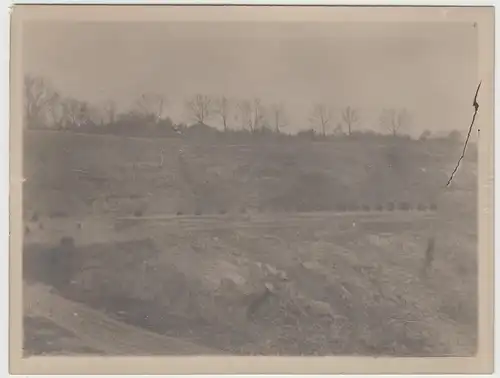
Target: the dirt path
(99, 331)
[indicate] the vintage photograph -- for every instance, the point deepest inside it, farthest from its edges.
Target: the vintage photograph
(250, 188)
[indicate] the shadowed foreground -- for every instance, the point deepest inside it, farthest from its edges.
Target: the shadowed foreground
(339, 285)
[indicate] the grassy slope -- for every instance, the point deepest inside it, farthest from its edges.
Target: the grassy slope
(78, 174)
(354, 283)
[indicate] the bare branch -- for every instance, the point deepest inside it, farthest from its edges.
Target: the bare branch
(394, 120)
(257, 114)
(151, 104)
(37, 95)
(278, 114)
(321, 116)
(350, 117)
(245, 114)
(75, 112)
(110, 110)
(200, 107)
(223, 109)
(251, 114)
(55, 110)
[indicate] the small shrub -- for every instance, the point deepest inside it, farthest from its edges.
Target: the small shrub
(138, 213)
(79, 225)
(380, 208)
(390, 206)
(40, 226)
(179, 213)
(433, 207)
(366, 208)
(34, 218)
(197, 212)
(222, 211)
(26, 230)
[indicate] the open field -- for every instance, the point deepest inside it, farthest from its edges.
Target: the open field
(245, 250)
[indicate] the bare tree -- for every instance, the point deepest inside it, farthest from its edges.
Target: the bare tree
(75, 112)
(56, 110)
(350, 117)
(223, 109)
(37, 95)
(96, 115)
(200, 107)
(322, 116)
(245, 114)
(110, 111)
(151, 104)
(278, 115)
(394, 120)
(257, 114)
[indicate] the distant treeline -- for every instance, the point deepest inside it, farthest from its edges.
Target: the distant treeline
(45, 108)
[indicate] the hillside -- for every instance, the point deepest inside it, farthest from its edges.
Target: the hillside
(269, 247)
(88, 174)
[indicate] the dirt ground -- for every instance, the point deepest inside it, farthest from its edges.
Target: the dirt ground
(349, 284)
(257, 269)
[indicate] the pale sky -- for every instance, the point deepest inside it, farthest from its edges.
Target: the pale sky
(428, 68)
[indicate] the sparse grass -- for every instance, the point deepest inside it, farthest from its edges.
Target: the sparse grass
(318, 175)
(343, 300)
(353, 281)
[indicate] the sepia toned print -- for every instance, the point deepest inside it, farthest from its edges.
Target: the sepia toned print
(253, 187)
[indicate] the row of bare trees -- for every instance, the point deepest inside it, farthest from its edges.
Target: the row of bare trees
(44, 104)
(253, 115)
